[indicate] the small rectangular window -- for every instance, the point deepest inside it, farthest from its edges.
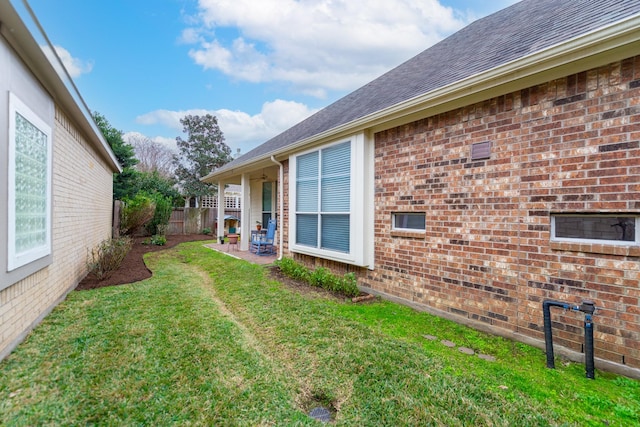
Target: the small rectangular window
(409, 221)
(29, 214)
(611, 229)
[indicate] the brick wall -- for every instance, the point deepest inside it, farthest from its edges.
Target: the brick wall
(82, 205)
(569, 145)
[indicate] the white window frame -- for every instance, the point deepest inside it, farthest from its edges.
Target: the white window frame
(635, 242)
(16, 260)
(396, 214)
(360, 243)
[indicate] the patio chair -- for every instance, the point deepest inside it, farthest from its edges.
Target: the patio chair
(262, 244)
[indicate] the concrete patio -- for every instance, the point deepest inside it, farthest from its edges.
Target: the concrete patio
(234, 251)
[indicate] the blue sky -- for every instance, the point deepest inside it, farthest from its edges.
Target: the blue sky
(260, 66)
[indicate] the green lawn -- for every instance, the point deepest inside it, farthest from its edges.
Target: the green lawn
(211, 340)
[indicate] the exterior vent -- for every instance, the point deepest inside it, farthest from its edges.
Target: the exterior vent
(481, 150)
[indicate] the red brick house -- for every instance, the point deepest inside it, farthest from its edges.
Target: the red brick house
(498, 168)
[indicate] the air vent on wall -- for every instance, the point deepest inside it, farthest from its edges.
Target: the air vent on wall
(481, 150)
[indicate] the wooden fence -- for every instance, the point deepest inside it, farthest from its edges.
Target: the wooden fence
(182, 221)
(194, 220)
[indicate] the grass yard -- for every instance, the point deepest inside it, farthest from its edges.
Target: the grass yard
(210, 340)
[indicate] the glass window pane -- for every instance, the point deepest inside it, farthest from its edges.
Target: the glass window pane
(596, 227)
(323, 198)
(30, 185)
(307, 166)
(411, 221)
(336, 160)
(336, 195)
(307, 196)
(266, 196)
(307, 230)
(307, 182)
(335, 232)
(336, 178)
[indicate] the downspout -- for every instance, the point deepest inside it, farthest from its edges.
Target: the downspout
(281, 196)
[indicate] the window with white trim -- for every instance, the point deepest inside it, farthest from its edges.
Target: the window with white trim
(409, 221)
(598, 228)
(323, 197)
(29, 190)
(331, 201)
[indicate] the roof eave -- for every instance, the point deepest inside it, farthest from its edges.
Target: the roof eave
(60, 87)
(604, 45)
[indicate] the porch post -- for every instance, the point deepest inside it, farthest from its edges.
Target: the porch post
(220, 230)
(245, 213)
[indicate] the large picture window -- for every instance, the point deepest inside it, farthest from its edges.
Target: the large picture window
(29, 192)
(323, 198)
(331, 211)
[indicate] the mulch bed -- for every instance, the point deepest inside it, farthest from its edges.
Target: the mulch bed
(133, 268)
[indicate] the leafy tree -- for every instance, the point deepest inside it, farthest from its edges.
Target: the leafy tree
(130, 182)
(202, 152)
(123, 151)
(149, 183)
(148, 196)
(161, 216)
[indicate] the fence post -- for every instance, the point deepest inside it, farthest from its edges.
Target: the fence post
(115, 229)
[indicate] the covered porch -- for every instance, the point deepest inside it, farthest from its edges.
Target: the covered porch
(260, 193)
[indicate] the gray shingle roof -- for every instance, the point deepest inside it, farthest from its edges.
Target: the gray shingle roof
(517, 31)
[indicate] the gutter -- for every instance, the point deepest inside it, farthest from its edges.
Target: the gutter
(281, 195)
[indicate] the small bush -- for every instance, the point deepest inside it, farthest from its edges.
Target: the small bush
(161, 215)
(206, 230)
(107, 257)
(320, 277)
(292, 269)
(158, 239)
(136, 212)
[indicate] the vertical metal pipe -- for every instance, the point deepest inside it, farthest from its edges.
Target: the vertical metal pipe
(548, 338)
(588, 347)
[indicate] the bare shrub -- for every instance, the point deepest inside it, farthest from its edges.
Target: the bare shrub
(107, 257)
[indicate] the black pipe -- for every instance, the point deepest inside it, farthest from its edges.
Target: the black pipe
(588, 344)
(548, 336)
(587, 307)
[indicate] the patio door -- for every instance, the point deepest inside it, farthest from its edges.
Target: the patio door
(269, 197)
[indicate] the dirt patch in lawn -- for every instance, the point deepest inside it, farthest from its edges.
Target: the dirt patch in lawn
(133, 268)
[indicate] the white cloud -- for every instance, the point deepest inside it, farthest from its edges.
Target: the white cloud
(315, 45)
(241, 130)
(75, 66)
